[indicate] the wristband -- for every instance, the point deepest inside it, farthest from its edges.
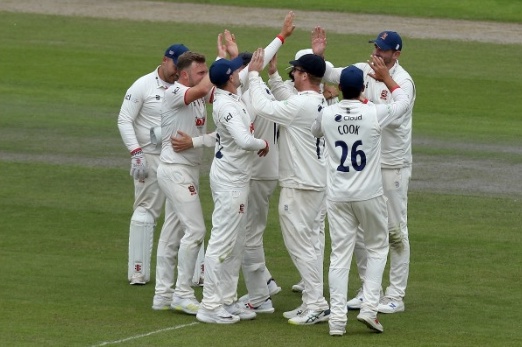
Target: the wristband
(136, 151)
(280, 37)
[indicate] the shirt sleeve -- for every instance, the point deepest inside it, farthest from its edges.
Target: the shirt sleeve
(129, 111)
(387, 113)
(207, 140)
(281, 112)
(270, 51)
(280, 89)
(332, 74)
(241, 134)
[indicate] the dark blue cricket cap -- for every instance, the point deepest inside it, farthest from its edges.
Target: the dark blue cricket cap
(175, 51)
(221, 70)
(388, 40)
(311, 63)
(352, 77)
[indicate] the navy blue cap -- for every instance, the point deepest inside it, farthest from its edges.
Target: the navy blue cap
(388, 40)
(311, 63)
(221, 70)
(352, 77)
(175, 51)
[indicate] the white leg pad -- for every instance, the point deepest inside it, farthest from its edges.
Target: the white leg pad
(141, 238)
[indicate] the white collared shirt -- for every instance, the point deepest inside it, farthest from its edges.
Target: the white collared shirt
(141, 111)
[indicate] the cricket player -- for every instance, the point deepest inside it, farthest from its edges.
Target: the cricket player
(260, 284)
(352, 132)
(139, 114)
(282, 90)
(302, 174)
(229, 180)
(396, 162)
(183, 110)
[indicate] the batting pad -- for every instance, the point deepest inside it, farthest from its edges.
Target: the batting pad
(141, 237)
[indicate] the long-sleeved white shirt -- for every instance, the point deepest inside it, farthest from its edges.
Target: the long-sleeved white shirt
(396, 137)
(352, 132)
(301, 155)
(236, 145)
(141, 111)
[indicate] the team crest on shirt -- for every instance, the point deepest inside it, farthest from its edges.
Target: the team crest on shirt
(192, 190)
(200, 121)
(242, 208)
(158, 97)
(384, 95)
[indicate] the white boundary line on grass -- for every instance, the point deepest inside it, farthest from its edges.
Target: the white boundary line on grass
(145, 335)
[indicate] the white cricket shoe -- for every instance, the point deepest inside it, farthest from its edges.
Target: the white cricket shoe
(217, 316)
(389, 305)
(265, 307)
(161, 303)
(298, 287)
(273, 288)
(295, 312)
(137, 279)
(240, 310)
(309, 317)
(355, 303)
(337, 329)
(189, 306)
(371, 322)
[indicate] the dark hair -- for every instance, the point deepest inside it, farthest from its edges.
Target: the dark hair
(187, 58)
(351, 92)
(246, 56)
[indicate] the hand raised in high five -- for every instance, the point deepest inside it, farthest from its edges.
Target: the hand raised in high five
(231, 44)
(318, 41)
(288, 25)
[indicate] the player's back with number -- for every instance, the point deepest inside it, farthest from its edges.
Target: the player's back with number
(353, 142)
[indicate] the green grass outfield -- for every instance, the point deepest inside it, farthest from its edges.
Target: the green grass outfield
(489, 10)
(66, 197)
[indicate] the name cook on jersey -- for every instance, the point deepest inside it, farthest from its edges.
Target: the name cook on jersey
(348, 129)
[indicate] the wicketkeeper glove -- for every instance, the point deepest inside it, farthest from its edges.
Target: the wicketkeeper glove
(138, 165)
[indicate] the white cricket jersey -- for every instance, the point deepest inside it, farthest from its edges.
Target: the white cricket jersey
(352, 132)
(267, 167)
(177, 115)
(396, 138)
(236, 145)
(301, 155)
(140, 111)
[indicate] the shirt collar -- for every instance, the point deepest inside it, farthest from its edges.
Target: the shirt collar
(227, 93)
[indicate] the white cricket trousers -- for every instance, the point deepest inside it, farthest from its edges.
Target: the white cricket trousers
(225, 246)
(344, 219)
(298, 210)
(180, 183)
(253, 264)
(395, 184)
